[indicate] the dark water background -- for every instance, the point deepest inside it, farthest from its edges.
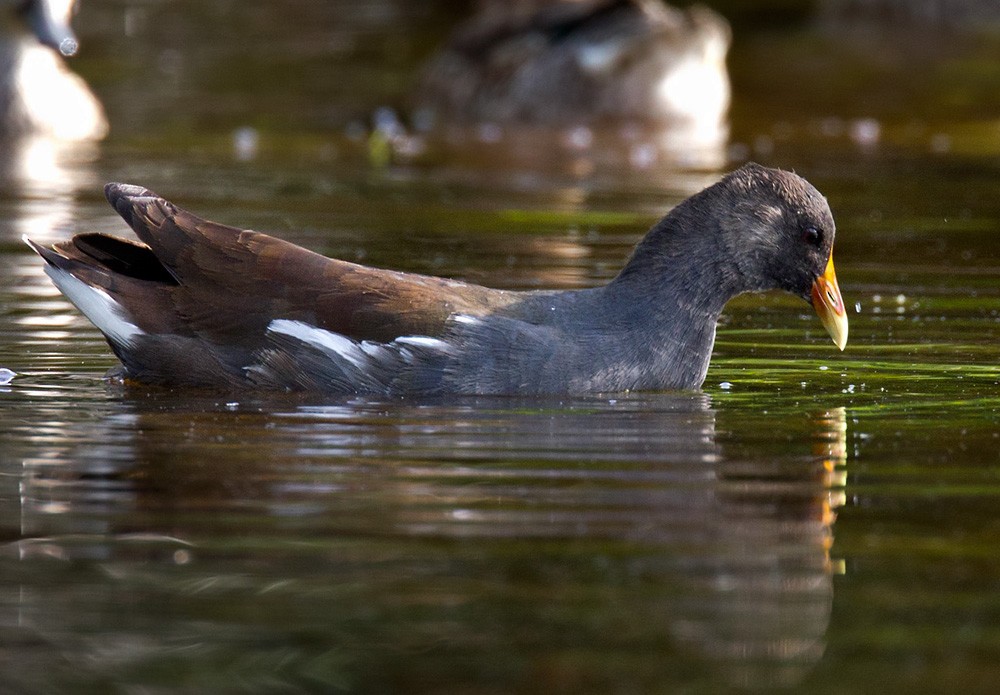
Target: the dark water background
(814, 521)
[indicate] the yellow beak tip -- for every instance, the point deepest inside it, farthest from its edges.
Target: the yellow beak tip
(829, 305)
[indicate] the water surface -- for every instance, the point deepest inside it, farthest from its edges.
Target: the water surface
(814, 521)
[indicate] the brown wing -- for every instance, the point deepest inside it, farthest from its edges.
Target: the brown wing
(227, 284)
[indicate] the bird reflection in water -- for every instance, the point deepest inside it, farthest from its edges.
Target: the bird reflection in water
(759, 601)
(516, 524)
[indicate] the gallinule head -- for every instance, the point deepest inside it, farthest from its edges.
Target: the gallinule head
(38, 93)
(581, 62)
(202, 304)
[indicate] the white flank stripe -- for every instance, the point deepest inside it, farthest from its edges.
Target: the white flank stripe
(374, 350)
(424, 341)
(97, 305)
(321, 339)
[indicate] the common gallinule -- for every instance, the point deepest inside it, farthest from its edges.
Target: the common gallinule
(203, 304)
(38, 93)
(571, 62)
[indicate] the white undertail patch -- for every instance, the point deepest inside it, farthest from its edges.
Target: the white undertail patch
(109, 316)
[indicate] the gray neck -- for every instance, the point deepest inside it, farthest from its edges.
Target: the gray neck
(652, 327)
(680, 266)
(668, 298)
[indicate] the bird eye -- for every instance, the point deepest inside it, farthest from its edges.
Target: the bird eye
(812, 236)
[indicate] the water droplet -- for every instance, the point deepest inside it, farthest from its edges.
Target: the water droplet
(866, 132)
(386, 121)
(940, 143)
(68, 47)
(245, 143)
(643, 155)
(579, 138)
(489, 132)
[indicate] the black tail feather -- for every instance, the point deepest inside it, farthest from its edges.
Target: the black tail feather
(105, 254)
(124, 257)
(49, 255)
